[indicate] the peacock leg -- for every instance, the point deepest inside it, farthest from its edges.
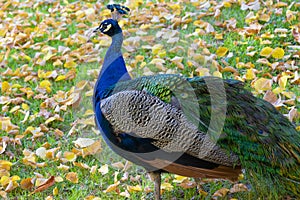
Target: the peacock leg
(198, 184)
(156, 178)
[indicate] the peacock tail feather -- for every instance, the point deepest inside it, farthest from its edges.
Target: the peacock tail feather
(265, 143)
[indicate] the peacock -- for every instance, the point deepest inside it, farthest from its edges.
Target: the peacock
(201, 127)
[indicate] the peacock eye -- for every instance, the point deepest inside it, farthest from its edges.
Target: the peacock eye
(107, 28)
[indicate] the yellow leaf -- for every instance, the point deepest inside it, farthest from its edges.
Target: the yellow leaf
(136, 188)
(266, 52)
(282, 81)
(51, 119)
(5, 164)
(57, 63)
(15, 178)
(14, 109)
(46, 84)
(48, 56)
(88, 112)
(16, 85)
(278, 53)
(91, 197)
(55, 191)
(263, 84)
(25, 106)
(179, 179)
(166, 186)
(60, 77)
(221, 51)
(217, 74)
(5, 86)
(162, 53)
(227, 4)
(112, 187)
(4, 180)
(250, 75)
(289, 95)
(89, 93)
(157, 48)
(72, 177)
(70, 64)
(219, 36)
(58, 179)
(70, 156)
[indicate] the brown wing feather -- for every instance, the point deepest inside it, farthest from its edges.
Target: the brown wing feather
(221, 171)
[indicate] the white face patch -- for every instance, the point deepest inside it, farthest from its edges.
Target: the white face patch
(107, 28)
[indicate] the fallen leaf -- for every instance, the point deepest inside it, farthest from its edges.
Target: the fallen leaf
(48, 183)
(263, 84)
(72, 177)
(27, 183)
(136, 188)
(250, 75)
(221, 51)
(112, 187)
(83, 142)
(239, 187)
(278, 53)
(221, 192)
(70, 156)
(266, 52)
(166, 186)
(55, 191)
(103, 169)
(5, 87)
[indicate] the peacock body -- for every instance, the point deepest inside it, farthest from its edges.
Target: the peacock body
(196, 127)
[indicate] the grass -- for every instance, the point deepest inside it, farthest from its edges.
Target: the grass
(94, 184)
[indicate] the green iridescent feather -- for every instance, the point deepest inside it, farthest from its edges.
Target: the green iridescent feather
(266, 142)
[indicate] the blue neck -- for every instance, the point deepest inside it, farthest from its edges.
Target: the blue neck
(114, 68)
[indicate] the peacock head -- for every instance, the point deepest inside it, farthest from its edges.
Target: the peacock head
(109, 27)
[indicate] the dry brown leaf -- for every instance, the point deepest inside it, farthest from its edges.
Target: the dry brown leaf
(270, 97)
(72, 177)
(239, 187)
(48, 183)
(112, 187)
(221, 192)
(27, 183)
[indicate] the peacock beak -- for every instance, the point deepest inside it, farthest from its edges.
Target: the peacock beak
(98, 29)
(92, 33)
